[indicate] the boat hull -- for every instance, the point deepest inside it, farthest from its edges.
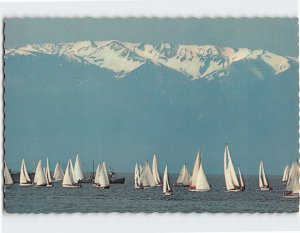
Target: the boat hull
(71, 186)
(265, 189)
(291, 196)
(168, 194)
(24, 185)
(199, 190)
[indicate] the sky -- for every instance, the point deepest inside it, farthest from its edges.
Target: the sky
(279, 35)
(66, 101)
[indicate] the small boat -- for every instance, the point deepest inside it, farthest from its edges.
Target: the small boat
(146, 177)
(58, 173)
(184, 177)
(286, 172)
(195, 172)
(7, 176)
(137, 181)
(39, 177)
(114, 179)
(231, 181)
(103, 181)
(293, 186)
(167, 191)
(263, 183)
(24, 177)
(69, 181)
(79, 177)
(48, 175)
(155, 171)
(202, 184)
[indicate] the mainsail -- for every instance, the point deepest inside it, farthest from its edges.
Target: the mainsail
(24, 177)
(78, 170)
(40, 177)
(146, 177)
(285, 174)
(155, 170)
(184, 176)
(201, 181)
(195, 171)
(7, 176)
(103, 177)
(166, 184)
(48, 174)
(69, 180)
(262, 179)
(96, 181)
(293, 185)
(241, 178)
(58, 173)
(137, 182)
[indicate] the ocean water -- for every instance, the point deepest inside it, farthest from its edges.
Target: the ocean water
(123, 198)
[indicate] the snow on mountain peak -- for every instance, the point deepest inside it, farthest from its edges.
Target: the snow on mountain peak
(196, 61)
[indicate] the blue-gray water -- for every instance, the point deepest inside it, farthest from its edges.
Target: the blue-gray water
(123, 198)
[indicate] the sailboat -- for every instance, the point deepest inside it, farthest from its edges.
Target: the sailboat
(184, 177)
(48, 175)
(293, 186)
(195, 171)
(69, 181)
(285, 176)
(7, 176)
(202, 184)
(58, 173)
(155, 171)
(166, 184)
(24, 177)
(146, 177)
(231, 181)
(39, 177)
(137, 180)
(103, 181)
(263, 183)
(78, 170)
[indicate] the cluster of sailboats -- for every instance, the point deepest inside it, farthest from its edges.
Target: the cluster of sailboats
(146, 176)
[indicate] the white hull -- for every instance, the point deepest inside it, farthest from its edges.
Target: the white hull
(235, 190)
(71, 186)
(168, 194)
(49, 185)
(265, 189)
(291, 196)
(29, 184)
(199, 190)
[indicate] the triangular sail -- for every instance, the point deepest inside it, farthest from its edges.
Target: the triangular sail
(40, 177)
(293, 185)
(147, 177)
(48, 173)
(96, 181)
(227, 173)
(136, 177)
(166, 183)
(285, 173)
(201, 182)
(155, 170)
(241, 178)
(7, 176)
(78, 170)
(69, 176)
(182, 175)
(103, 177)
(24, 177)
(233, 176)
(58, 173)
(195, 171)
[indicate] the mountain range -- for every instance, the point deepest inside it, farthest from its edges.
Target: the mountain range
(194, 61)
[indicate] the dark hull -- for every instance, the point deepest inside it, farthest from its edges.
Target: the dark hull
(117, 180)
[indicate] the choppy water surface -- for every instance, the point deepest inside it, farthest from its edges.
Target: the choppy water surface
(123, 198)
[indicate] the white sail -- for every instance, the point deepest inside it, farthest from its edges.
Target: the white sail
(181, 176)
(233, 176)
(155, 170)
(141, 169)
(293, 185)
(227, 173)
(48, 173)
(285, 173)
(166, 183)
(58, 173)
(187, 177)
(201, 182)
(24, 177)
(69, 176)
(136, 177)
(103, 177)
(40, 177)
(241, 178)
(195, 171)
(96, 181)
(78, 170)
(262, 180)
(147, 177)
(7, 176)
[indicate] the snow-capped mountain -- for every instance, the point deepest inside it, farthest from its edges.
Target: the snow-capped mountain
(195, 61)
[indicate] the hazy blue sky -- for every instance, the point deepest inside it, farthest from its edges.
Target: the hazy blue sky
(279, 35)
